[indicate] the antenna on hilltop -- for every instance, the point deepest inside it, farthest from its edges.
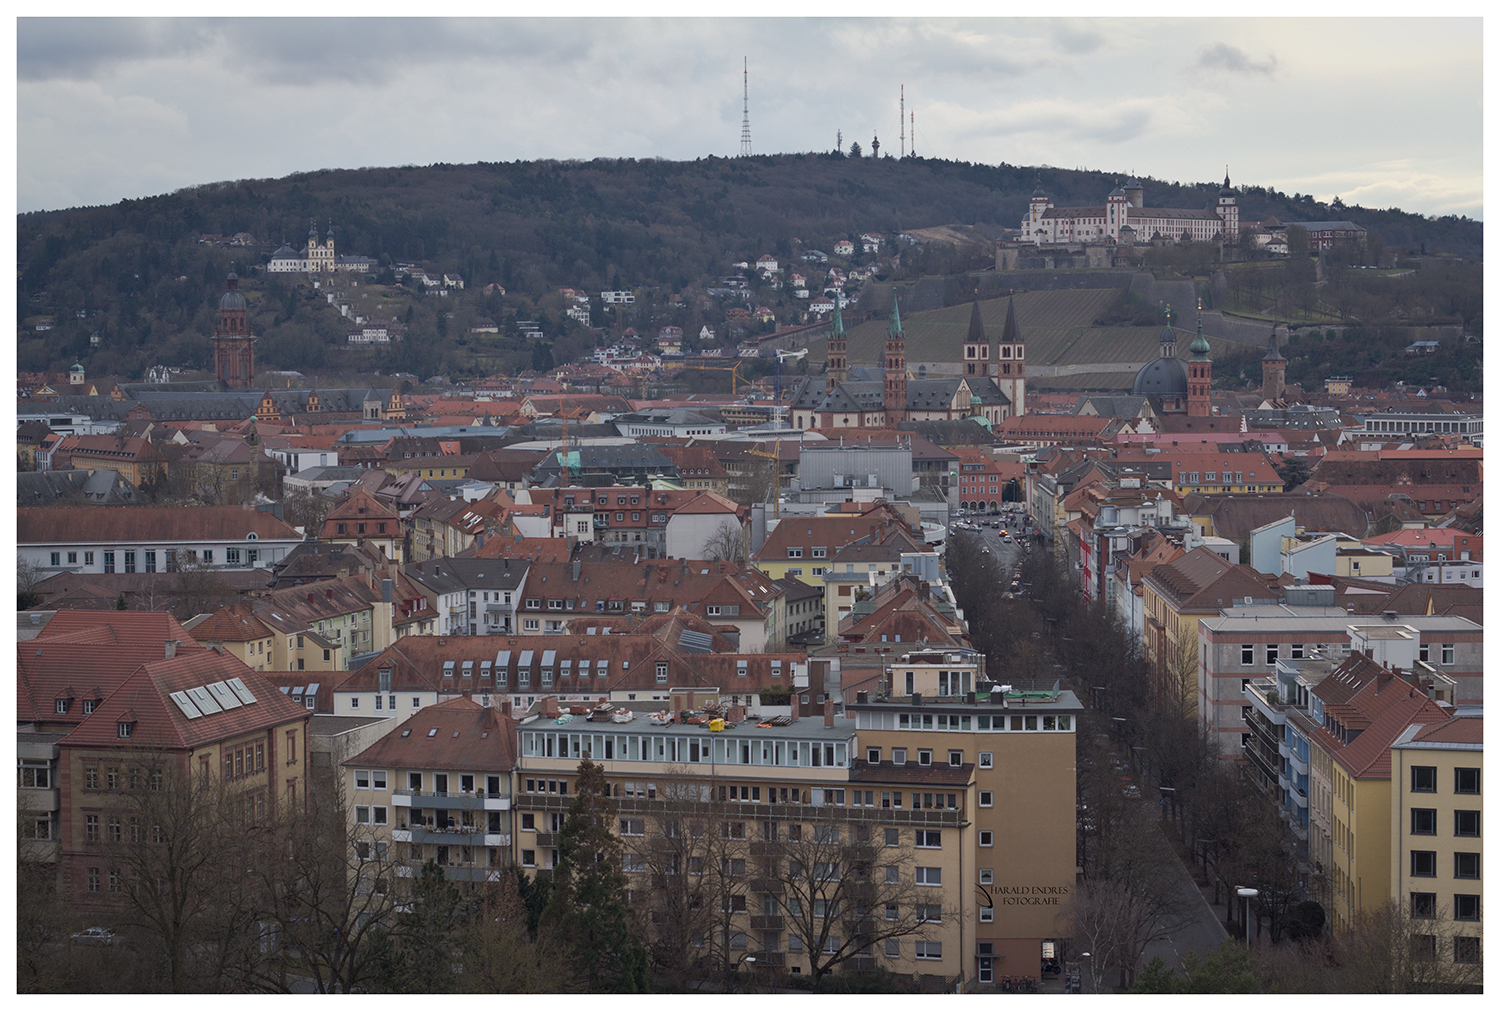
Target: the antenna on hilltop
(745, 126)
(914, 133)
(902, 118)
(838, 145)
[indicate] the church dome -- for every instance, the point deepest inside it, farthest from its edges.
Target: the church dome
(1038, 192)
(232, 298)
(1162, 377)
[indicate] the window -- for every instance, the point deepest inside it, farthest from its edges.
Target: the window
(1247, 654)
(1273, 651)
(955, 758)
(931, 876)
(872, 755)
(1423, 864)
(362, 815)
(661, 673)
(1465, 823)
(1297, 652)
(109, 566)
(930, 949)
(924, 756)
(1466, 950)
(1424, 947)
(986, 838)
(93, 879)
(91, 829)
(56, 558)
(1466, 907)
(898, 756)
(929, 839)
(892, 874)
(1464, 780)
(1424, 652)
(986, 798)
(794, 552)
(1423, 821)
(528, 858)
(1447, 654)
(632, 826)
(1466, 865)
(1424, 779)
(1423, 905)
(929, 913)
(893, 837)
(986, 759)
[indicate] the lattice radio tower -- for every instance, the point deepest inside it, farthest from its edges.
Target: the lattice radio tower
(902, 119)
(745, 126)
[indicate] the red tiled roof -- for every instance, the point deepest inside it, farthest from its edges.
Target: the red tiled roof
(457, 734)
(124, 628)
(168, 525)
(160, 724)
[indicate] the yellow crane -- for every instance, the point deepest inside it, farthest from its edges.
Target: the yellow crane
(775, 457)
(734, 373)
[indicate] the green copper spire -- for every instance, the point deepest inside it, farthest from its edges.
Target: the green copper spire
(836, 330)
(1199, 347)
(894, 329)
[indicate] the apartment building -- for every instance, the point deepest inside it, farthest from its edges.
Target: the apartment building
(437, 787)
(1437, 805)
(1245, 643)
(896, 821)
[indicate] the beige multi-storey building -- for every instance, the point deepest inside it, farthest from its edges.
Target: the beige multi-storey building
(1436, 810)
(928, 829)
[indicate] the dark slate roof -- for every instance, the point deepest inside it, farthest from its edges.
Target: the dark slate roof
(75, 487)
(1163, 377)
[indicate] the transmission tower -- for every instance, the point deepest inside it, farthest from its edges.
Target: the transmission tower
(745, 126)
(902, 119)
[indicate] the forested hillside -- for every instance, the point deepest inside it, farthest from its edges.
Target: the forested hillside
(141, 279)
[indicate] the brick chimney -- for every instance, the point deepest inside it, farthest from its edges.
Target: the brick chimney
(505, 707)
(690, 701)
(737, 714)
(171, 648)
(549, 706)
(828, 713)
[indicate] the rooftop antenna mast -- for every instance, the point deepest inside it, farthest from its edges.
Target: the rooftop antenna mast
(745, 126)
(902, 118)
(914, 133)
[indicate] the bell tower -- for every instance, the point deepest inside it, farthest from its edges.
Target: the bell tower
(1200, 374)
(895, 368)
(1010, 362)
(976, 348)
(1273, 371)
(234, 344)
(838, 346)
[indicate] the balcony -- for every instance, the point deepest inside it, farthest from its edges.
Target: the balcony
(547, 840)
(455, 835)
(766, 923)
(476, 800)
(39, 801)
(454, 872)
(774, 886)
(771, 959)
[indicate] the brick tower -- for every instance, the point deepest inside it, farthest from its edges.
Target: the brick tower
(1010, 362)
(895, 368)
(234, 344)
(838, 347)
(976, 348)
(1273, 371)
(1200, 374)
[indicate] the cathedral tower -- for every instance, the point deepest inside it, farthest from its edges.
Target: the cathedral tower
(838, 346)
(895, 368)
(234, 345)
(976, 348)
(1200, 374)
(1010, 362)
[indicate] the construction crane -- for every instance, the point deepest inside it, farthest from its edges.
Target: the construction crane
(775, 457)
(782, 356)
(734, 373)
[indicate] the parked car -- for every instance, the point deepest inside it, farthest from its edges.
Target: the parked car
(95, 935)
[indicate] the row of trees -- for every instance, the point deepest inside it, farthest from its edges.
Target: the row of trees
(1142, 723)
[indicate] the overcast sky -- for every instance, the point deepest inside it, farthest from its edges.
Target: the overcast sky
(1381, 112)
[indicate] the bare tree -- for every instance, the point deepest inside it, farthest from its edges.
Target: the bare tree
(1387, 950)
(306, 509)
(726, 543)
(201, 587)
(844, 892)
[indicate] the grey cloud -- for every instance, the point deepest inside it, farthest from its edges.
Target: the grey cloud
(1234, 60)
(1074, 39)
(49, 48)
(292, 50)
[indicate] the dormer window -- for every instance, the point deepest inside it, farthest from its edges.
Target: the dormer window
(124, 728)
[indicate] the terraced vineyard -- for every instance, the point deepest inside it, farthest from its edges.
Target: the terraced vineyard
(1046, 319)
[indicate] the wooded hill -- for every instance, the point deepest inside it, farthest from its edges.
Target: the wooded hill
(138, 273)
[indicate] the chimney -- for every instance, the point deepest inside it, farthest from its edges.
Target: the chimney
(690, 699)
(860, 698)
(676, 704)
(916, 698)
(828, 714)
(549, 706)
(171, 648)
(736, 714)
(328, 594)
(577, 568)
(505, 708)
(468, 693)
(387, 590)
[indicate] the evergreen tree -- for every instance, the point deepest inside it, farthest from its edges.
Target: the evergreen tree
(589, 906)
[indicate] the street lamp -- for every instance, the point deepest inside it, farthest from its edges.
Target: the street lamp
(1247, 894)
(1090, 985)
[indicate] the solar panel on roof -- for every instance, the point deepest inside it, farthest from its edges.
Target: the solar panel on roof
(222, 694)
(245, 695)
(204, 701)
(186, 705)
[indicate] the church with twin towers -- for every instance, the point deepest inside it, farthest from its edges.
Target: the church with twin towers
(991, 383)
